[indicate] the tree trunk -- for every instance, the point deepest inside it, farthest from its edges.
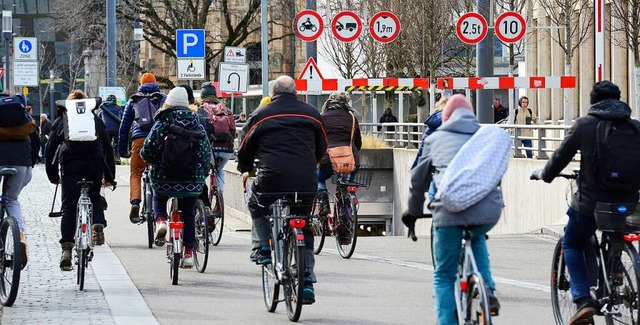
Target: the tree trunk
(565, 103)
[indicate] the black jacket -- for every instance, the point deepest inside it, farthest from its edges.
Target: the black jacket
(56, 152)
(20, 152)
(288, 138)
(582, 136)
(338, 123)
(45, 131)
(388, 118)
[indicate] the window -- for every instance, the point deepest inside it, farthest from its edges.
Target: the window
(45, 29)
(254, 60)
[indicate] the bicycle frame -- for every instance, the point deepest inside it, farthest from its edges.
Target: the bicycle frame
(175, 230)
(148, 193)
(84, 219)
(466, 267)
(279, 229)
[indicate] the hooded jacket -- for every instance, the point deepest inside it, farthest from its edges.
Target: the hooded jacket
(115, 110)
(432, 123)
(582, 136)
(338, 123)
(128, 119)
(439, 149)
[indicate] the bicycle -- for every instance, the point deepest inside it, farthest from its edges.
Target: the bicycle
(83, 241)
(287, 245)
(175, 246)
(146, 213)
(217, 205)
(345, 213)
(10, 248)
(613, 266)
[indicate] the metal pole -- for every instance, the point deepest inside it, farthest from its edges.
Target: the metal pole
(232, 103)
(265, 47)
(484, 65)
(7, 68)
(312, 52)
(52, 99)
(111, 43)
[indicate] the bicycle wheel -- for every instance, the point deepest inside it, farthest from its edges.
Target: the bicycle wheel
(622, 267)
(83, 262)
(201, 247)
(11, 261)
(151, 228)
(217, 206)
(293, 267)
(477, 301)
(561, 300)
(347, 244)
(175, 264)
(318, 227)
(270, 286)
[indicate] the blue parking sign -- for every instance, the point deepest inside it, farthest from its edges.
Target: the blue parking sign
(190, 43)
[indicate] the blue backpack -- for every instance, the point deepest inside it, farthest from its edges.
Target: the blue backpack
(15, 122)
(145, 107)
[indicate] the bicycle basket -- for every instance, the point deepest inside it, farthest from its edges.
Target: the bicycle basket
(361, 177)
(617, 217)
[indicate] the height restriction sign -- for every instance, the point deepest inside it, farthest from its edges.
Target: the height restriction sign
(510, 27)
(471, 28)
(384, 27)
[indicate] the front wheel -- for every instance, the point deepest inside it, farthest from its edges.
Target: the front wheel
(11, 260)
(622, 267)
(293, 268)
(217, 206)
(201, 247)
(561, 299)
(270, 285)
(477, 302)
(347, 230)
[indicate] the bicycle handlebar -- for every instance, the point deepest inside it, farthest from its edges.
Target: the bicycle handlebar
(568, 176)
(410, 222)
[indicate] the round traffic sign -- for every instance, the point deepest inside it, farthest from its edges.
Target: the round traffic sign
(346, 26)
(308, 25)
(471, 28)
(510, 27)
(384, 26)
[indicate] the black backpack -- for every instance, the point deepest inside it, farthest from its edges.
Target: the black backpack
(180, 152)
(145, 107)
(617, 155)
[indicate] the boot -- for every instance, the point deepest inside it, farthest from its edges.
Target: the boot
(65, 259)
(97, 234)
(323, 201)
(23, 244)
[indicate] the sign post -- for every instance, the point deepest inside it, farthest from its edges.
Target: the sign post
(190, 54)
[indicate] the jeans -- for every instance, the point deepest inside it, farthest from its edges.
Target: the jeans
(527, 143)
(224, 158)
(261, 232)
(137, 168)
(577, 236)
(14, 185)
(187, 206)
(447, 248)
(324, 173)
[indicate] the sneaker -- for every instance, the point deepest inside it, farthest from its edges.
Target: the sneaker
(134, 214)
(23, 245)
(264, 255)
(254, 255)
(65, 259)
(97, 234)
(161, 231)
(187, 263)
(308, 295)
(211, 219)
(323, 201)
(584, 315)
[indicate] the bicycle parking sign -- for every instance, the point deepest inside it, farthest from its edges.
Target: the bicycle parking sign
(308, 25)
(471, 28)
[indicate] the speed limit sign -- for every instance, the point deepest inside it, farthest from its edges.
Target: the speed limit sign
(510, 27)
(471, 28)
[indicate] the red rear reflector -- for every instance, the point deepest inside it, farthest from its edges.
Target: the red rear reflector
(297, 223)
(352, 189)
(632, 237)
(300, 237)
(175, 216)
(463, 285)
(176, 225)
(355, 201)
(84, 228)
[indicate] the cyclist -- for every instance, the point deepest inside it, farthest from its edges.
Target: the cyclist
(286, 164)
(459, 124)
(185, 184)
(147, 87)
(94, 163)
(338, 120)
(605, 105)
(111, 115)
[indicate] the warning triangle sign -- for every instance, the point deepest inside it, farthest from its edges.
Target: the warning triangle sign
(311, 71)
(230, 53)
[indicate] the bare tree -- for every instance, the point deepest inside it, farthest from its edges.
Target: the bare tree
(344, 57)
(574, 17)
(626, 14)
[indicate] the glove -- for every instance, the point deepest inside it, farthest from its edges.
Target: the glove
(55, 179)
(125, 154)
(410, 221)
(536, 174)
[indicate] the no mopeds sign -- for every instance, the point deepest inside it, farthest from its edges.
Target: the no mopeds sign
(308, 25)
(346, 26)
(471, 28)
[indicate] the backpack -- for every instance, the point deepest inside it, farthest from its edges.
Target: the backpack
(180, 148)
(476, 169)
(220, 121)
(528, 119)
(145, 107)
(15, 121)
(617, 157)
(80, 133)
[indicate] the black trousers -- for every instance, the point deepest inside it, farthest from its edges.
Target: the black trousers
(71, 173)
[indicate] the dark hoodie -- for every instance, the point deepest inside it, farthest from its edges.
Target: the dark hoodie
(582, 136)
(128, 119)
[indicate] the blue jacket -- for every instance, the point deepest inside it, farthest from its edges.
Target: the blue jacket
(433, 122)
(111, 124)
(128, 120)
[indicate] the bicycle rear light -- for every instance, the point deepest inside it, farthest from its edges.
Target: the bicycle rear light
(84, 228)
(352, 189)
(176, 225)
(297, 223)
(355, 201)
(632, 237)
(175, 216)
(463, 286)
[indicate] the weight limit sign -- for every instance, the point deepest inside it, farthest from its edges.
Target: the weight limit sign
(471, 28)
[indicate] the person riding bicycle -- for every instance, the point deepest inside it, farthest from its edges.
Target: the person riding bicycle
(459, 124)
(180, 173)
(288, 138)
(111, 115)
(341, 126)
(144, 99)
(605, 106)
(92, 161)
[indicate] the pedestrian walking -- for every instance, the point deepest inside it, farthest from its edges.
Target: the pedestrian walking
(499, 112)
(45, 130)
(523, 115)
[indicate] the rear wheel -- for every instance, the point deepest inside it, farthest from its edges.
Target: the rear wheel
(217, 206)
(477, 302)
(561, 300)
(623, 270)
(270, 286)
(346, 242)
(151, 228)
(293, 267)
(201, 247)
(175, 265)
(11, 260)
(318, 227)
(83, 261)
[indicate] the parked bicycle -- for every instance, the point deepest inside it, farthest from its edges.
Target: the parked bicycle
(287, 245)
(10, 249)
(343, 222)
(613, 267)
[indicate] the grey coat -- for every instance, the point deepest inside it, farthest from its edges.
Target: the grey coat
(439, 149)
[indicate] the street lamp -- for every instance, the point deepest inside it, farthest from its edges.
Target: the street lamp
(7, 30)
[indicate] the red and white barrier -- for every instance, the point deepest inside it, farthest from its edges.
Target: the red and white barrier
(507, 82)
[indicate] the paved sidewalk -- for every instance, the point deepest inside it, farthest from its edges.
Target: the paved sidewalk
(50, 296)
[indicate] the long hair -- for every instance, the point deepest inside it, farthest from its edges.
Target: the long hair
(336, 100)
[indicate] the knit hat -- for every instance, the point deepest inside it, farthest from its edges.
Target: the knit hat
(178, 97)
(147, 78)
(208, 91)
(453, 103)
(192, 100)
(604, 90)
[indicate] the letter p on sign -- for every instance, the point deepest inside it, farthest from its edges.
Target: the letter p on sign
(190, 43)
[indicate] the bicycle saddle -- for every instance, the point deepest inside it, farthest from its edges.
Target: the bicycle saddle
(8, 171)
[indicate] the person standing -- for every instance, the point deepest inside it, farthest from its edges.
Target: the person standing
(45, 130)
(388, 117)
(111, 115)
(499, 112)
(524, 115)
(242, 118)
